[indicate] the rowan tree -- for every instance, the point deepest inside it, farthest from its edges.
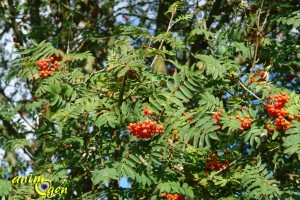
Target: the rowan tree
(183, 100)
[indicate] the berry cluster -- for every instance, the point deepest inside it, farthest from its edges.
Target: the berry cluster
(262, 76)
(212, 163)
(147, 111)
(281, 122)
(47, 66)
(145, 129)
(173, 196)
(245, 123)
(217, 117)
(215, 165)
(275, 107)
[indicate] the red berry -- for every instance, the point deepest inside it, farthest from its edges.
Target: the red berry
(277, 111)
(145, 129)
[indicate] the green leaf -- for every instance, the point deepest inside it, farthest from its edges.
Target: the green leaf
(5, 187)
(203, 120)
(179, 95)
(124, 108)
(123, 71)
(14, 143)
(171, 86)
(186, 92)
(214, 136)
(176, 101)
(104, 175)
(207, 140)
(176, 79)
(134, 158)
(275, 135)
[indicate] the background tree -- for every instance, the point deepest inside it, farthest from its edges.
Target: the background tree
(81, 105)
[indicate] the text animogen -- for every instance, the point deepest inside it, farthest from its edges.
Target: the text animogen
(25, 179)
(42, 186)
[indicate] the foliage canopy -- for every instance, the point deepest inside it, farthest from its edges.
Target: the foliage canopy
(220, 119)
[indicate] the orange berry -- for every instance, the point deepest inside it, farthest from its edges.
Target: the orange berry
(189, 118)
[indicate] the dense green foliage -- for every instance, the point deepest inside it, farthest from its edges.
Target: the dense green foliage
(228, 101)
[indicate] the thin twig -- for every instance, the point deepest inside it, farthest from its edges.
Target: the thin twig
(120, 101)
(19, 112)
(255, 55)
(265, 21)
(224, 168)
(248, 90)
(163, 40)
(24, 119)
(259, 30)
(257, 40)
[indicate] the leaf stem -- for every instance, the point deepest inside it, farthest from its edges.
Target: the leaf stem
(248, 90)
(169, 28)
